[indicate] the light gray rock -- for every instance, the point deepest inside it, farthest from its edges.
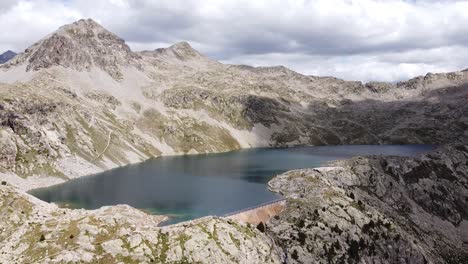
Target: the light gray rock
(81, 46)
(36, 232)
(9, 150)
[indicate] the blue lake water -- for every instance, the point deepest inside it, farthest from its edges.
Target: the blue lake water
(188, 187)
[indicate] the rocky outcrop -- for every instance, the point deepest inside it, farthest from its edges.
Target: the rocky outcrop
(6, 56)
(181, 51)
(377, 210)
(36, 232)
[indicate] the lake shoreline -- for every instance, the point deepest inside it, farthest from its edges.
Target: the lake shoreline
(172, 185)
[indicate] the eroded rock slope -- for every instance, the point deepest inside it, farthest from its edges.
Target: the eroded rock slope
(377, 210)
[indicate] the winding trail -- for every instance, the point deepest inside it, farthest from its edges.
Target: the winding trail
(107, 146)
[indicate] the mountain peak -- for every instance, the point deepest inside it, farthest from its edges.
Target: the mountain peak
(181, 45)
(88, 22)
(181, 50)
(9, 52)
(83, 26)
(81, 45)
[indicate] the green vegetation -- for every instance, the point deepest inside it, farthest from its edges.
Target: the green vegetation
(359, 205)
(163, 244)
(185, 134)
(234, 240)
(182, 238)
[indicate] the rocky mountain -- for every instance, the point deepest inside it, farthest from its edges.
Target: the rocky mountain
(80, 101)
(377, 210)
(79, 46)
(364, 210)
(6, 56)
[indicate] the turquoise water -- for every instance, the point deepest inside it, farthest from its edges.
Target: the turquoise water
(188, 187)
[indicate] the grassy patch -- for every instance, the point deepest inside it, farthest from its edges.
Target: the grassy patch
(234, 240)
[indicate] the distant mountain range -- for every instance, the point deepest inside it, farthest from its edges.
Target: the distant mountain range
(8, 55)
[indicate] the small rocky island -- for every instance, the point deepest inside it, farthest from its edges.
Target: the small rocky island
(80, 101)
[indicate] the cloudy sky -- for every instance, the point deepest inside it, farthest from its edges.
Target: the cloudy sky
(352, 39)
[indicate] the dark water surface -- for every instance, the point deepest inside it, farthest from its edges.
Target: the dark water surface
(188, 187)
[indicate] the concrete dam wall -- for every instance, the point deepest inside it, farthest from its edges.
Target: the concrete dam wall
(258, 214)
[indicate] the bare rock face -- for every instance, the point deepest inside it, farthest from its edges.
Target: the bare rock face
(182, 51)
(80, 46)
(239, 110)
(379, 87)
(377, 210)
(9, 151)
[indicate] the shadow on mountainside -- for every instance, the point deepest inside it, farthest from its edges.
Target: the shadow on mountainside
(435, 117)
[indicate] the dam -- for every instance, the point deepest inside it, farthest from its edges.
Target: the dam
(258, 214)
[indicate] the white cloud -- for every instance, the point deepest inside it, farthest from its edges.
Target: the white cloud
(363, 40)
(6, 4)
(28, 21)
(388, 66)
